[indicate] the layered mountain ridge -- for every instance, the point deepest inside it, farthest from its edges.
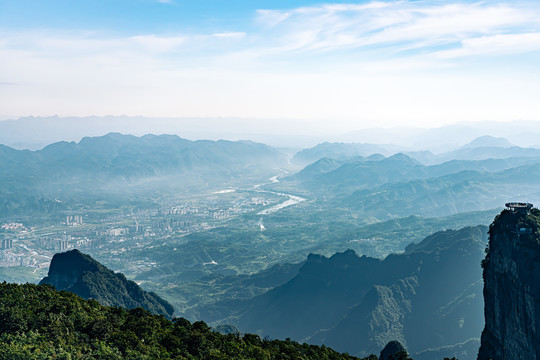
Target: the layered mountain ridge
(428, 297)
(116, 166)
(400, 186)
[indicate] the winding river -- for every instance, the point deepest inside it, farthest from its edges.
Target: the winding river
(292, 199)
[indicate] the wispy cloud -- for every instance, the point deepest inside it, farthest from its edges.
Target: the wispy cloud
(377, 31)
(395, 26)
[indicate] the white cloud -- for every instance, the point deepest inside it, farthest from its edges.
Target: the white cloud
(504, 44)
(158, 43)
(230, 35)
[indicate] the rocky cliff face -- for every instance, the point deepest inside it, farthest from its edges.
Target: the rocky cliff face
(512, 288)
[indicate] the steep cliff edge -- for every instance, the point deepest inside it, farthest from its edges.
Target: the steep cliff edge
(512, 287)
(80, 274)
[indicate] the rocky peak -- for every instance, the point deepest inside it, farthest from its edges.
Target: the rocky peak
(512, 287)
(66, 268)
(80, 274)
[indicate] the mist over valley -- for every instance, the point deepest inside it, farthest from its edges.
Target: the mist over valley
(339, 239)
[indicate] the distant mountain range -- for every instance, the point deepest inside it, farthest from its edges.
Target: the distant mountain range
(399, 185)
(128, 156)
(116, 166)
(428, 297)
(449, 194)
(449, 137)
(80, 274)
(481, 148)
(341, 151)
(36, 132)
(122, 168)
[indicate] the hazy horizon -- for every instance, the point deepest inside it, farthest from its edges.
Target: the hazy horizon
(34, 133)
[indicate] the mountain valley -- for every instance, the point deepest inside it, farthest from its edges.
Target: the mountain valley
(353, 250)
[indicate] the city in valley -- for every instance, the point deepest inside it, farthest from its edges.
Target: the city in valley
(109, 233)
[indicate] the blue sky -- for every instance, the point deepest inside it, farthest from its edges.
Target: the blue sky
(136, 15)
(334, 65)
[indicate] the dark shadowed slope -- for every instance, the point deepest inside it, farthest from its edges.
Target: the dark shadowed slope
(428, 297)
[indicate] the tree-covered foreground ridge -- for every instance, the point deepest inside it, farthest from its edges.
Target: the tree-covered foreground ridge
(38, 322)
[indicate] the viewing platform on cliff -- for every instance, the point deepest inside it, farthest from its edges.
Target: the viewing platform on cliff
(519, 207)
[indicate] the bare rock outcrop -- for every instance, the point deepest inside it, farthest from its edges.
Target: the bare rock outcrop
(512, 286)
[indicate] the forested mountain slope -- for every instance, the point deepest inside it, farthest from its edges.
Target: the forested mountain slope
(38, 322)
(78, 273)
